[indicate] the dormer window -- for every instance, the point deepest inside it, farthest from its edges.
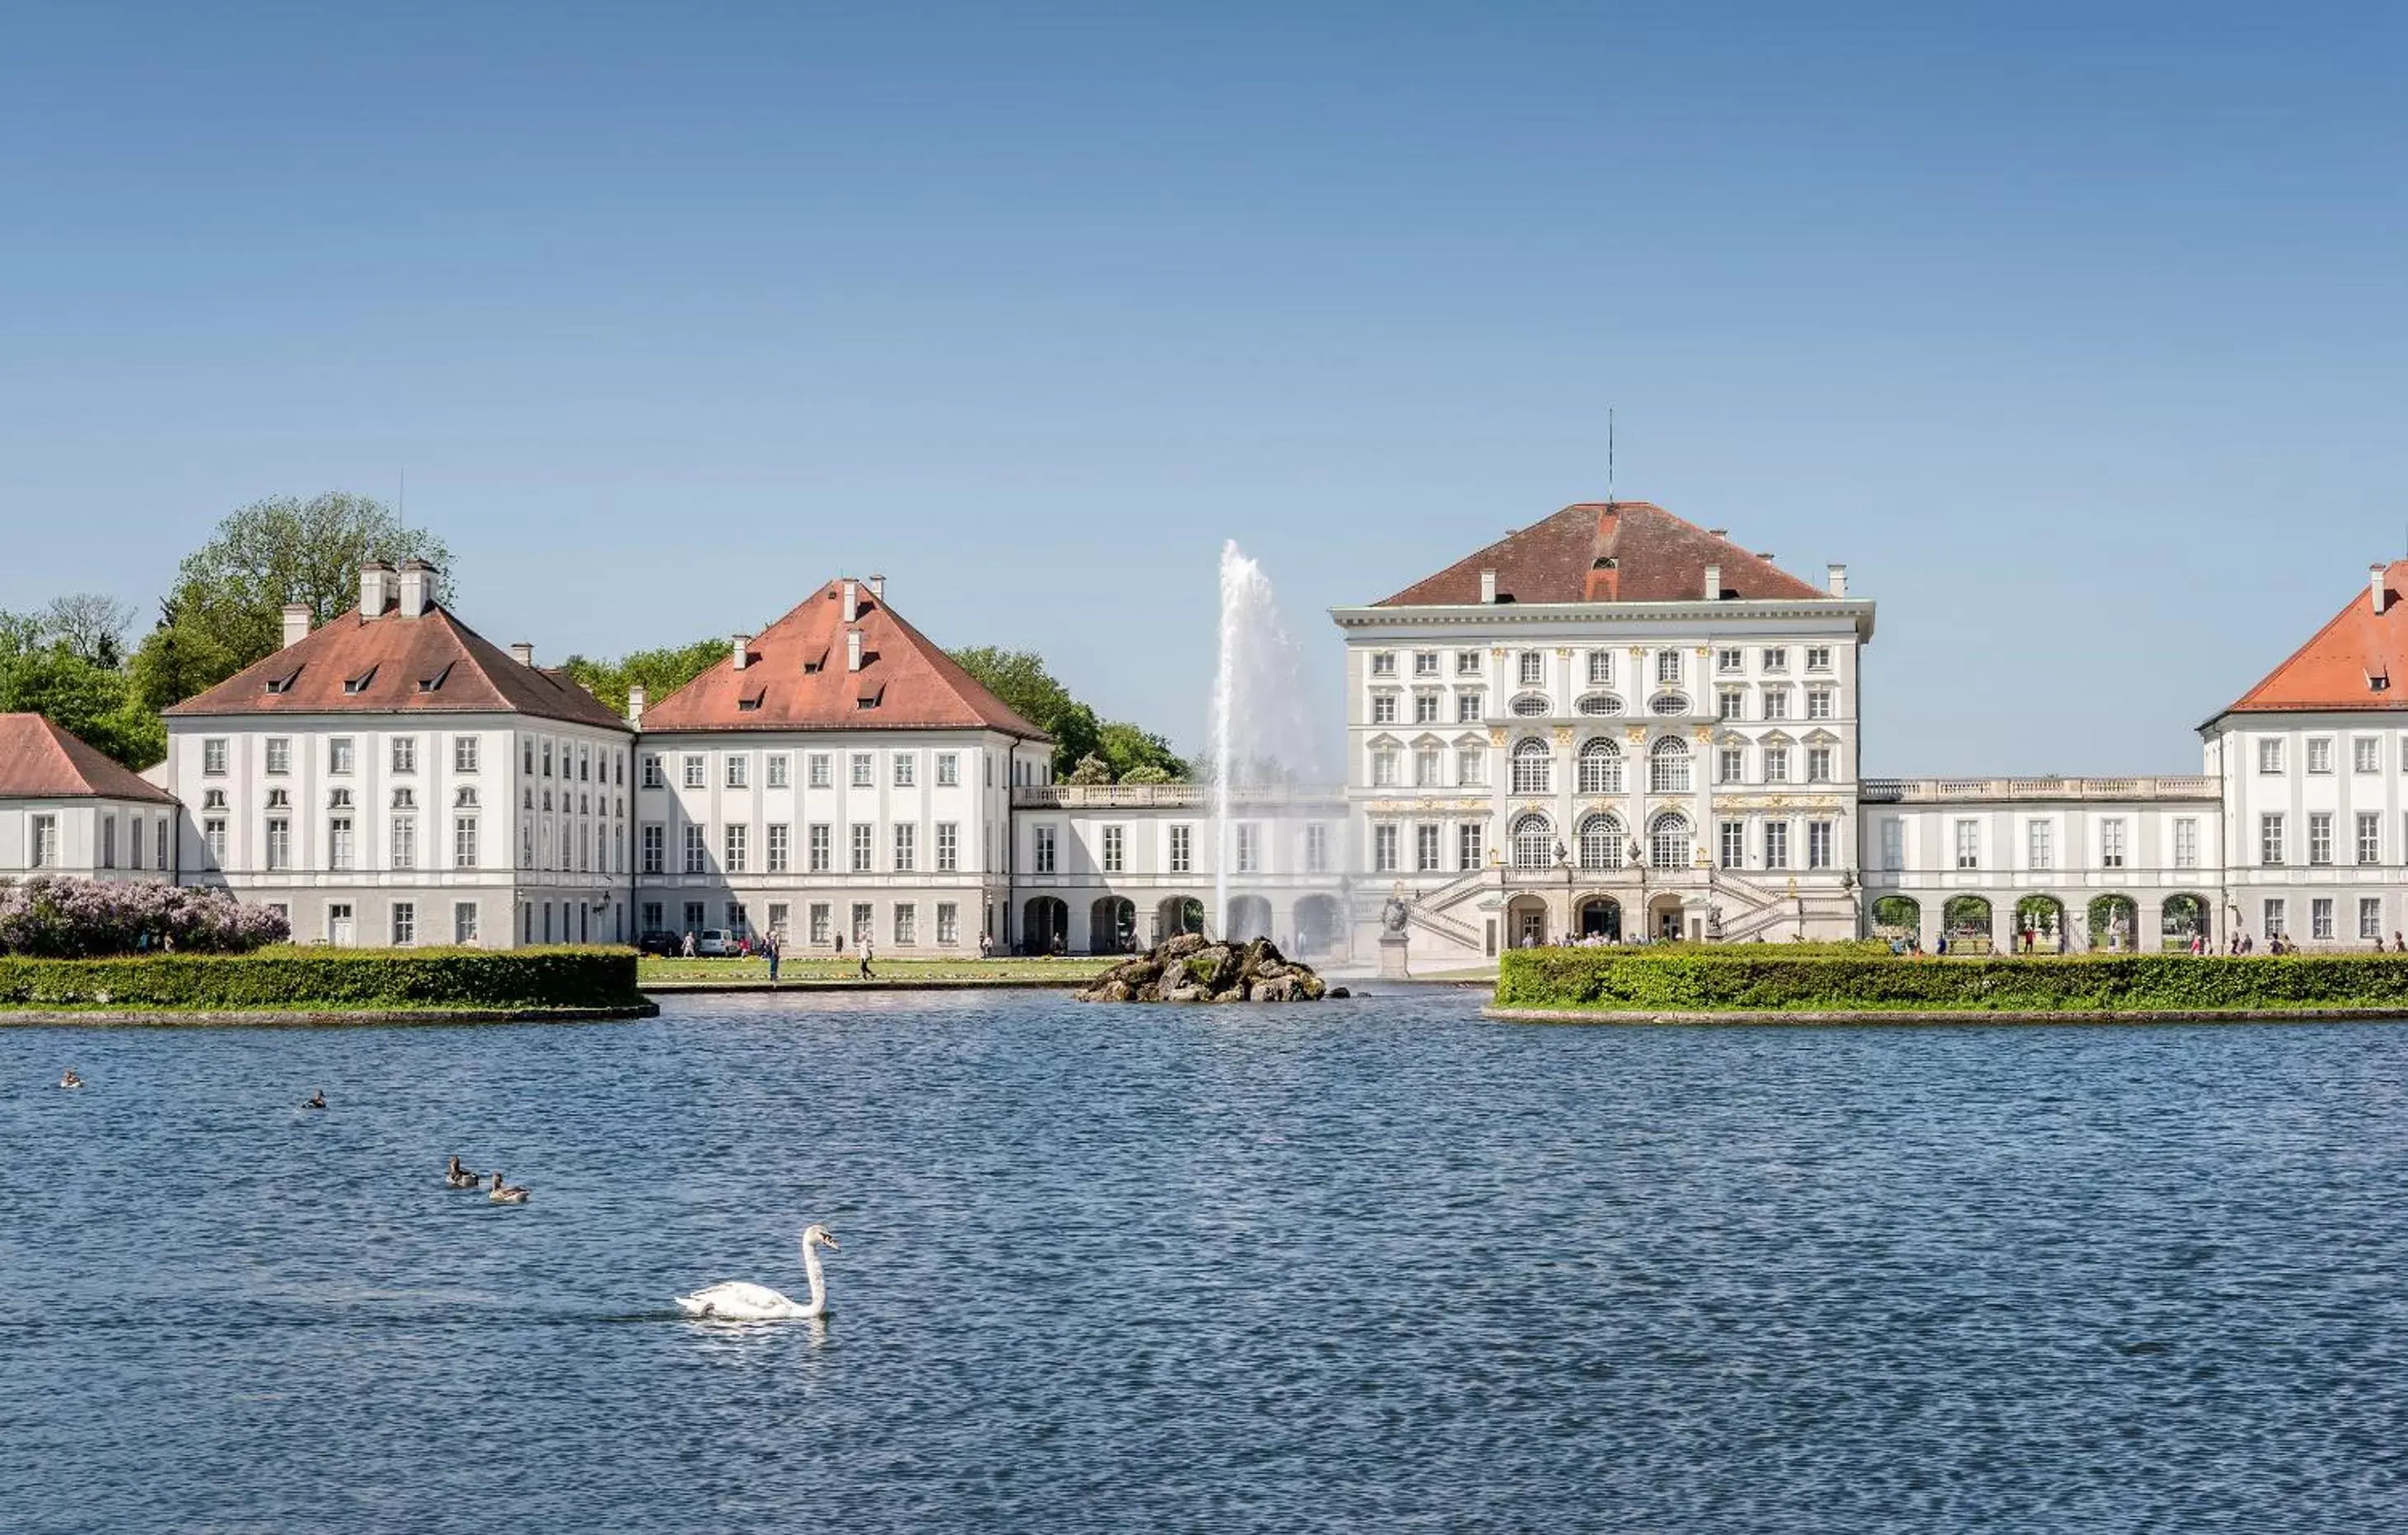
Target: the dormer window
(433, 683)
(359, 683)
(284, 684)
(815, 663)
(751, 703)
(2378, 681)
(870, 696)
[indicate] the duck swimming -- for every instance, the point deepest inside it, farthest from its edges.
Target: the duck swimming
(70, 1079)
(456, 1176)
(507, 1194)
(317, 1099)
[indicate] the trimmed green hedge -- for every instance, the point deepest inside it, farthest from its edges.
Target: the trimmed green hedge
(1769, 979)
(301, 979)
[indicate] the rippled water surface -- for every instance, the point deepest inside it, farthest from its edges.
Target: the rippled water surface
(1376, 1265)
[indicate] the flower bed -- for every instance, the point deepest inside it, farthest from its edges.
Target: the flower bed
(284, 980)
(1766, 978)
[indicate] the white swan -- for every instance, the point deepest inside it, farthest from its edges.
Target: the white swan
(737, 1301)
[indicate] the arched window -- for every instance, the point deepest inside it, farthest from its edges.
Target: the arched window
(1533, 764)
(1667, 841)
(1530, 705)
(1601, 767)
(1534, 842)
(1668, 767)
(1601, 842)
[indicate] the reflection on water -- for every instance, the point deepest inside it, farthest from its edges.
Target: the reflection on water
(1376, 1265)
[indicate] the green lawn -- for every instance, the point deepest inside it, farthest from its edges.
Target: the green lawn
(826, 968)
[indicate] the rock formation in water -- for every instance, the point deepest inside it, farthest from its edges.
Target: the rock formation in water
(1190, 968)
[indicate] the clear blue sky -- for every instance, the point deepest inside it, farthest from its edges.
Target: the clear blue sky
(2080, 337)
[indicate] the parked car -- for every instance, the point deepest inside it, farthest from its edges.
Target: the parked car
(661, 941)
(716, 944)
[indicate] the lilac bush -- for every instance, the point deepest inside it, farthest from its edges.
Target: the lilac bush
(50, 918)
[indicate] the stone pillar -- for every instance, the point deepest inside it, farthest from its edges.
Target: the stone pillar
(2002, 922)
(2147, 936)
(1930, 906)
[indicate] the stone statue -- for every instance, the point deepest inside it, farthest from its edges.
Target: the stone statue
(1393, 915)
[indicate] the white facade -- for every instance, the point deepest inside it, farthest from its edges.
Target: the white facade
(902, 837)
(1524, 772)
(2315, 815)
(85, 838)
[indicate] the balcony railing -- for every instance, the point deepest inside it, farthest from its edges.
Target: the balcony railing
(1167, 796)
(1914, 791)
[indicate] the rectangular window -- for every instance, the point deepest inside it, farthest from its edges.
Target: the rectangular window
(2039, 844)
(1248, 847)
(1113, 837)
(822, 770)
(907, 923)
(949, 925)
(2369, 917)
(736, 920)
(1776, 844)
(1818, 658)
(1776, 703)
(1893, 844)
(1467, 663)
(1600, 668)
(1667, 668)
(1730, 660)
(1470, 838)
(1968, 845)
(823, 927)
(1532, 669)
(45, 848)
(779, 851)
(863, 846)
(405, 754)
(651, 852)
(863, 771)
(464, 842)
(861, 921)
(733, 845)
(1818, 703)
(2186, 843)
(1384, 708)
(2367, 754)
(738, 767)
(1316, 848)
(2320, 838)
(279, 842)
(109, 842)
(694, 920)
(648, 773)
(1425, 663)
(779, 771)
(465, 929)
(2370, 837)
(1183, 850)
(780, 913)
(2270, 839)
(1425, 842)
(653, 919)
(1426, 767)
(1730, 704)
(907, 847)
(2320, 754)
(1043, 847)
(2321, 917)
(1776, 764)
(1383, 849)
(213, 836)
(339, 841)
(1471, 766)
(1730, 765)
(948, 846)
(906, 769)
(697, 856)
(1383, 769)
(2111, 843)
(695, 777)
(1776, 658)
(404, 843)
(949, 776)
(1818, 765)
(464, 753)
(2274, 917)
(279, 754)
(1731, 844)
(822, 848)
(1469, 708)
(213, 756)
(404, 924)
(1821, 837)
(2269, 754)
(338, 754)
(1383, 664)
(1425, 708)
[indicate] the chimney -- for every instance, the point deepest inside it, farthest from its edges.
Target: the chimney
(417, 588)
(297, 624)
(1836, 577)
(878, 589)
(853, 650)
(1713, 583)
(2375, 574)
(851, 600)
(741, 652)
(1488, 586)
(376, 588)
(523, 654)
(636, 707)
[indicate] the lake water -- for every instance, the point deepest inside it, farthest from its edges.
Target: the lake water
(1376, 1265)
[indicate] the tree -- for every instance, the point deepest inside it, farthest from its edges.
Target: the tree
(1020, 679)
(97, 703)
(658, 672)
(1128, 748)
(227, 609)
(1090, 769)
(92, 626)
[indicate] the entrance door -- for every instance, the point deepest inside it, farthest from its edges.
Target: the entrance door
(1601, 919)
(1668, 925)
(338, 927)
(1530, 927)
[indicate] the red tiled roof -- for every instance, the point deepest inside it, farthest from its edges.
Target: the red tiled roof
(1605, 551)
(796, 678)
(430, 665)
(2337, 669)
(40, 761)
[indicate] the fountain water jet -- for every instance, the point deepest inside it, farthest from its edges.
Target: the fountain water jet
(1262, 733)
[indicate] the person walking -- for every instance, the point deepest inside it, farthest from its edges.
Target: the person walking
(869, 952)
(685, 950)
(770, 949)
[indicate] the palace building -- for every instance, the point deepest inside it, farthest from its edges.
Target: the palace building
(1611, 725)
